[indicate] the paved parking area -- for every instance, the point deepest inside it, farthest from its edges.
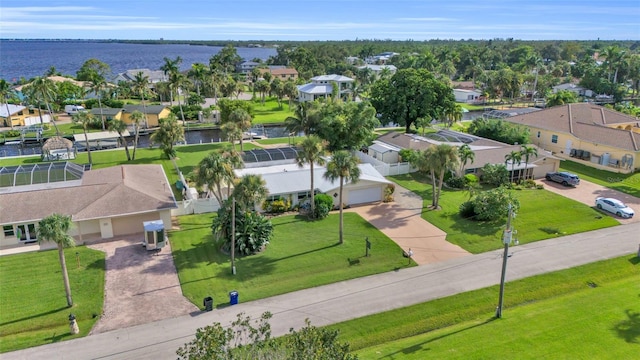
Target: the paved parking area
(140, 286)
(587, 192)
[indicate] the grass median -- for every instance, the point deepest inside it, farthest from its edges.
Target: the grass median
(302, 254)
(33, 305)
(590, 311)
(542, 215)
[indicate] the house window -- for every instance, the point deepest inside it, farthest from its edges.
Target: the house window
(538, 134)
(31, 111)
(8, 230)
(554, 139)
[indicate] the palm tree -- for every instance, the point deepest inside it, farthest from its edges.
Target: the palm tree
(136, 119)
(169, 133)
(170, 68)
(119, 126)
(515, 157)
(528, 151)
(198, 73)
(215, 172)
(178, 81)
(304, 119)
(243, 121)
(249, 190)
(85, 119)
(43, 90)
(262, 86)
(453, 114)
(6, 92)
(232, 132)
(613, 56)
(98, 84)
(437, 160)
(140, 85)
(55, 228)
(342, 166)
(465, 154)
(312, 150)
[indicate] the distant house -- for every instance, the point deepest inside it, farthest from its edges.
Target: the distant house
(322, 87)
(578, 90)
(155, 76)
(18, 115)
(465, 85)
(381, 58)
(386, 148)
(153, 114)
(281, 72)
(468, 96)
(246, 67)
(377, 70)
(353, 60)
(587, 133)
(108, 114)
(102, 203)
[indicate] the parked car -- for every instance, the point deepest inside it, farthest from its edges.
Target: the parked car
(564, 178)
(73, 109)
(614, 206)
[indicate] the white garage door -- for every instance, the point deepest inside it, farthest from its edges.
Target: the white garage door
(366, 195)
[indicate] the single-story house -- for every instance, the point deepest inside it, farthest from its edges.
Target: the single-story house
(102, 203)
(107, 113)
(18, 115)
(153, 114)
(322, 87)
(155, 76)
(577, 89)
(587, 133)
(468, 96)
(280, 72)
(377, 70)
(486, 152)
(291, 182)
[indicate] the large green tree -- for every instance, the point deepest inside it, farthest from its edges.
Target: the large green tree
(311, 151)
(343, 167)
(346, 125)
(411, 94)
(92, 69)
(55, 228)
(225, 60)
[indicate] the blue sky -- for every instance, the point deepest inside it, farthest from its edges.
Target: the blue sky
(321, 20)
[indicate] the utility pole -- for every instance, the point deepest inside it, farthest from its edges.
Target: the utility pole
(506, 240)
(233, 236)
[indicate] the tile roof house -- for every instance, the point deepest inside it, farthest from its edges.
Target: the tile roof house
(322, 87)
(281, 72)
(486, 151)
(102, 204)
(587, 133)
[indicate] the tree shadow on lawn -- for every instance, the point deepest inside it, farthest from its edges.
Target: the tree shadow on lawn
(53, 311)
(629, 329)
(419, 347)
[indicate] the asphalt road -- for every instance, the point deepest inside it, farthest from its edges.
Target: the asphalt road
(354, 298)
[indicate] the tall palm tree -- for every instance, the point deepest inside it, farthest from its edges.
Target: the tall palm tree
(119, 126)
(215, 172)
(198, 74)
(136, 119)
(453, 114)
(243, 121)
(98, 84)
(141, 85)
(55, 228)
(436, 161)
(514, 157)
(168, 134)
(85, 119)
(179, 82)
(170, 68)
(43, 90)
(465, 154)
(303, 120)
(614, 56)
(232, 132)
(249, 190)
(342, 166)
(527, 151)
(312, 150)
(6, 92)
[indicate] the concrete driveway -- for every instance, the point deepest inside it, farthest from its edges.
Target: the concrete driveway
(401, 221)
(587, 192)
(140, 286)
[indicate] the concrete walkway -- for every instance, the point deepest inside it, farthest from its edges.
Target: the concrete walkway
(352, 299)
(401, 221)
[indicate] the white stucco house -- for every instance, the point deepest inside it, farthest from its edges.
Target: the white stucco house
(468, 96)
(377, 70)
(322, 87)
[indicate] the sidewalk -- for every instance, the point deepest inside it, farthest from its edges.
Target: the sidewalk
(354, 298)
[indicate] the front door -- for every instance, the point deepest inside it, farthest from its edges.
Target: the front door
(26, 232)
(567, 148)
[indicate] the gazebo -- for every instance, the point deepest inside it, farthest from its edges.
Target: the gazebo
(58, 148)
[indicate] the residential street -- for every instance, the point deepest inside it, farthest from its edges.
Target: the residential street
(355, 298)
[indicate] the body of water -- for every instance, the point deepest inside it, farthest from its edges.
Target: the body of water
(34, 58)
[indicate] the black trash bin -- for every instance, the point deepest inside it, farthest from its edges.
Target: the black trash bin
(208, 303)
(233, 297)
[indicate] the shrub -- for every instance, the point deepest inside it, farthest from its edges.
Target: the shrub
(323, 204)
(388, 192)
(495, 174)
(12, 133)
(466, 210)
(529, 184)
(253, 231)
(471, 179)
(407, 155)
(493, 204)
(276, 206)
(457, 182)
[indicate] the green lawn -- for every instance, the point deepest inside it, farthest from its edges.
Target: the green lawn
(270, 112)
(33, 305)
(626, 183)
(551, 316)
(542, 215)
(301, 255)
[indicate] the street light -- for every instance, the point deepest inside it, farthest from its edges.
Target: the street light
(507, 237)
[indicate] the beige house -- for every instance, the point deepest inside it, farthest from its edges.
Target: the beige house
(586, 133)
(17, 115)
(153, 113)
(283, 74)
(103, 204)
